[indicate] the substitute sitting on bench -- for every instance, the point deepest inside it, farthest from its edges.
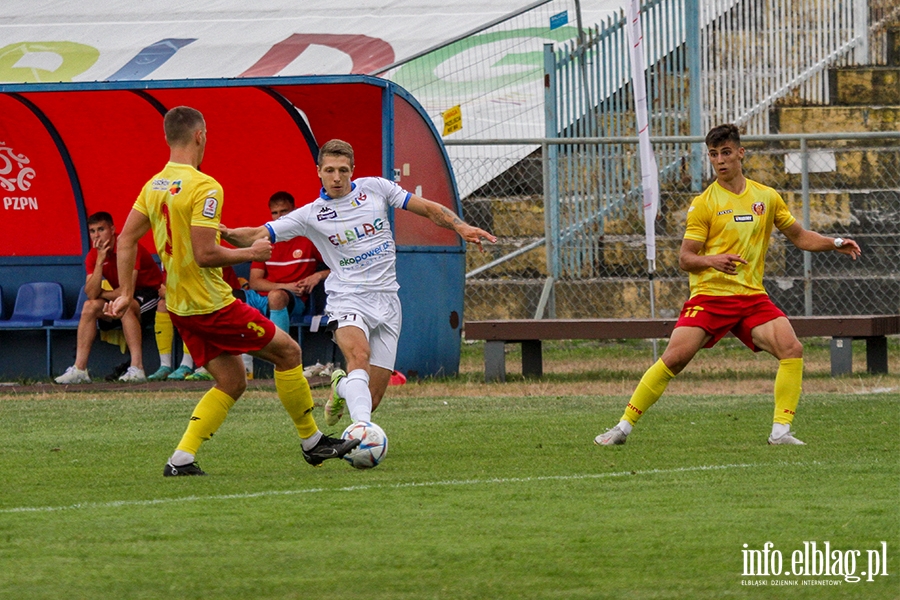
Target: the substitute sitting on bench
(280, 287)
(100, 264)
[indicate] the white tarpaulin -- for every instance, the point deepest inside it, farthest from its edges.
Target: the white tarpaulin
(649, 169)
(102, 40)
(495, 77)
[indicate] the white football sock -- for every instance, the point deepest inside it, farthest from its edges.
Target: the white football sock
(310, 442)
(354, 388)
(625, 426)
(181, 458)
(780, 429)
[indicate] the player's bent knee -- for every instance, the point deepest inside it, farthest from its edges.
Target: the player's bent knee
(794, 350)
(235, 389)
(278, 300)
(677, 361)
(93, 308)
(283, 351)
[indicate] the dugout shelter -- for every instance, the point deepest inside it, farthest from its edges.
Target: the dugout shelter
(71, 149)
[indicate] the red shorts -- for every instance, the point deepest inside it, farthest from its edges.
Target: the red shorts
(717, 315)
(235, 329)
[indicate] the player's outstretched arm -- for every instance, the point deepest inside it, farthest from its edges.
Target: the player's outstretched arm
(446, 218)
(243, 237)
(812, 241)
(210, 254)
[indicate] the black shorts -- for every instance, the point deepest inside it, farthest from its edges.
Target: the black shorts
(148, 298)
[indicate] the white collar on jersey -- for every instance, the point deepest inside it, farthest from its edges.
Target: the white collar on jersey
(325, 196)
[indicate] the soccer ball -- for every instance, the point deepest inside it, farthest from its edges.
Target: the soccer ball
(372, 448)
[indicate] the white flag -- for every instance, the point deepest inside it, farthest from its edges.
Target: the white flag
(649, 170)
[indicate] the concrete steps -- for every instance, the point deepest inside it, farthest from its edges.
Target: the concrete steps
(854, 191)
(877, 86)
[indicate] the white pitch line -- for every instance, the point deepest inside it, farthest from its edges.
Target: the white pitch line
(356, 488)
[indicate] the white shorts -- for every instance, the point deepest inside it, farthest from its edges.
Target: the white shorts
(377, 314)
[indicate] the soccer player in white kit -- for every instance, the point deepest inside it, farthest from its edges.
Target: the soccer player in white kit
(349, 225)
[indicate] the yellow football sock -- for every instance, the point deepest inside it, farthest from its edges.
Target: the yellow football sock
(788, 385)
(293, 391)
(648, 391)
(165, 333)
(208, 416)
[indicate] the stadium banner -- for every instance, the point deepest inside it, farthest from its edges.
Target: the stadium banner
(649, 169)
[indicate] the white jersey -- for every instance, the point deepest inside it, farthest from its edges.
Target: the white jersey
(352, 233)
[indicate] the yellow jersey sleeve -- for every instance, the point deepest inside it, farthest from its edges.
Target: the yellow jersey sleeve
(207, 204)
(698, 220)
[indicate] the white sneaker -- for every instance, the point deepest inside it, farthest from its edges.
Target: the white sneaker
(313, 370)
(133, 375)
(74, 375)
(319, 369)
(786, 439)
(613, 437)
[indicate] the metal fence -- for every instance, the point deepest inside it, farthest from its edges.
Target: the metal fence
(844, 185)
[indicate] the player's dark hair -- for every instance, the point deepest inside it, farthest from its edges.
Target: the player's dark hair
(180, 124)
(99, 217)
(720, 134)
(281, 196)
(336, 148)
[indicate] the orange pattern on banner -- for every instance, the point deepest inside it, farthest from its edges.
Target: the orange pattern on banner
(452, 120)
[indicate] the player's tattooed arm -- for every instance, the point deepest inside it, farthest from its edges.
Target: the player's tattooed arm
(444, 217)
(451, 220)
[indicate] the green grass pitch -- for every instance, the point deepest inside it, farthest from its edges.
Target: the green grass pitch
(479, 497)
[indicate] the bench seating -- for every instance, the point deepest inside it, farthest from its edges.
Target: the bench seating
(531, 332)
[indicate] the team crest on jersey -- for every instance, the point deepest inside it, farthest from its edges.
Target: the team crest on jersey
(758, 208)
(325, 213)
(356, 202)
(159, 185)
(298, 253)
(210, 206)
(175, 188)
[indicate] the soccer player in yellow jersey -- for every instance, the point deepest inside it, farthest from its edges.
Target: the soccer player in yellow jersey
(184, 207)
(724, 250)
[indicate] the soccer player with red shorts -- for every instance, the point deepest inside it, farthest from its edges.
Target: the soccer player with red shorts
(724, 250)
(183, 207)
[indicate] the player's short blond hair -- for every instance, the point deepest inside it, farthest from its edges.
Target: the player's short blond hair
(336, 148)
(180, 123)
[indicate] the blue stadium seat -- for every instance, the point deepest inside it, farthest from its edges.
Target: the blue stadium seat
(72, 323)
(316, 308)
(37, 304)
